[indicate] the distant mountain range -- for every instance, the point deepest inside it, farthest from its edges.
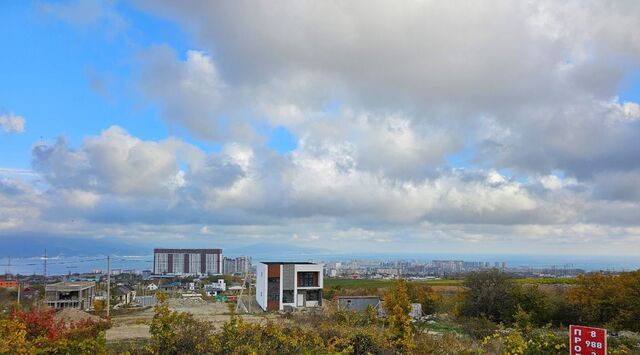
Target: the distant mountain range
(28, 245)
(270, 251)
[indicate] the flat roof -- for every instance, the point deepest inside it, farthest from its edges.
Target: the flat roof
(188, 251)
(287, 262)
(70, 286)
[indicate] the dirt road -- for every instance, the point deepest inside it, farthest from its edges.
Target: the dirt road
(135, 325)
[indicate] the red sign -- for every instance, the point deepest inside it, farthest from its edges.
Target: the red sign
(587, 340)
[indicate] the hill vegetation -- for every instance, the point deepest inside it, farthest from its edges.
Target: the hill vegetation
(492, 314)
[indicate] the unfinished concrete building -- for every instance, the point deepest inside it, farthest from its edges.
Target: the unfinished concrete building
(79, 295)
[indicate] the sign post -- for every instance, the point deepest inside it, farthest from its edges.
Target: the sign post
(587, 340)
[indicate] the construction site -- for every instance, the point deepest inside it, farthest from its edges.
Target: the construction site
(133, 323)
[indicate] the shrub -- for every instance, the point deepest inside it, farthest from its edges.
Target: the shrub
(477, 328)
(26, 332)
(179, 333)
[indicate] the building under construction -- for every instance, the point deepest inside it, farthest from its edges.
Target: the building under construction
(79, 295)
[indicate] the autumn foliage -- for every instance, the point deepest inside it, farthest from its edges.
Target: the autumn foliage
(37, 332)
(612, 301)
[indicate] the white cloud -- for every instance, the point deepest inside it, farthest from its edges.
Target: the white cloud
(378, 100)
(188, 92)
(86, 14)
(113, 162)
(11, 123)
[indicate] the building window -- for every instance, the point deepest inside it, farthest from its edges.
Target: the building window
(313, 295)
(287, 296)
(273, 289)
(307, 279)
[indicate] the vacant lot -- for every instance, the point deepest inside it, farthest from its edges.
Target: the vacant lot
(134, 324)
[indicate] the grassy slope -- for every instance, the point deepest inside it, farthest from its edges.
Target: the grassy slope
(357, 283)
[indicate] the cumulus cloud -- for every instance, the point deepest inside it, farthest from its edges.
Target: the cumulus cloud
(114, 162)
(530, 70)
(11, 123)
(477, 55)
(188, 92)
(579, 139)
(523, 94)
(20, 204)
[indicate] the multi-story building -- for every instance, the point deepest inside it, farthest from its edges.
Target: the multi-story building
(228, 266)
(187, 261)
(288, 284)
(240, 265)
(243, 264)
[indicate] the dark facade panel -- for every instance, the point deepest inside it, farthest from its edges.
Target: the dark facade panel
(170, 263)
(185, 265)
(288, 277)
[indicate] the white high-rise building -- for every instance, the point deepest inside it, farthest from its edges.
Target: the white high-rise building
(187, 261)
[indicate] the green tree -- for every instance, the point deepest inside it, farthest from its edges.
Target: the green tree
(397, 306)
(609, 300)
(487, 294)
(532, 301)
(426, 296)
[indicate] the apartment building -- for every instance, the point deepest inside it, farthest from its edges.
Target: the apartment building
(187, 261)
(239, 265)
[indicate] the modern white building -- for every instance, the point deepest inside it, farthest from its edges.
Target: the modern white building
(288, 284)
(187, 261)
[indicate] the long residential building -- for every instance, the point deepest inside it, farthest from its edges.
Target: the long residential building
(187, 261)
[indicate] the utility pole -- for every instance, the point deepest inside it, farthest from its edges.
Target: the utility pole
(18, 282)
(45, 267)
(108, 284)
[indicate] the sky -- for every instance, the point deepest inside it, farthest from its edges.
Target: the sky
(350, 126)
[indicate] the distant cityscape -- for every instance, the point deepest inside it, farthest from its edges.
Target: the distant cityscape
(436, 269)
(196, 273)
(184, 262)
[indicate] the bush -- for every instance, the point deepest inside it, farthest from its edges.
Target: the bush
(179, 333)
(444, 345)
(36, 331)
(477, 328)
(539, 342)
